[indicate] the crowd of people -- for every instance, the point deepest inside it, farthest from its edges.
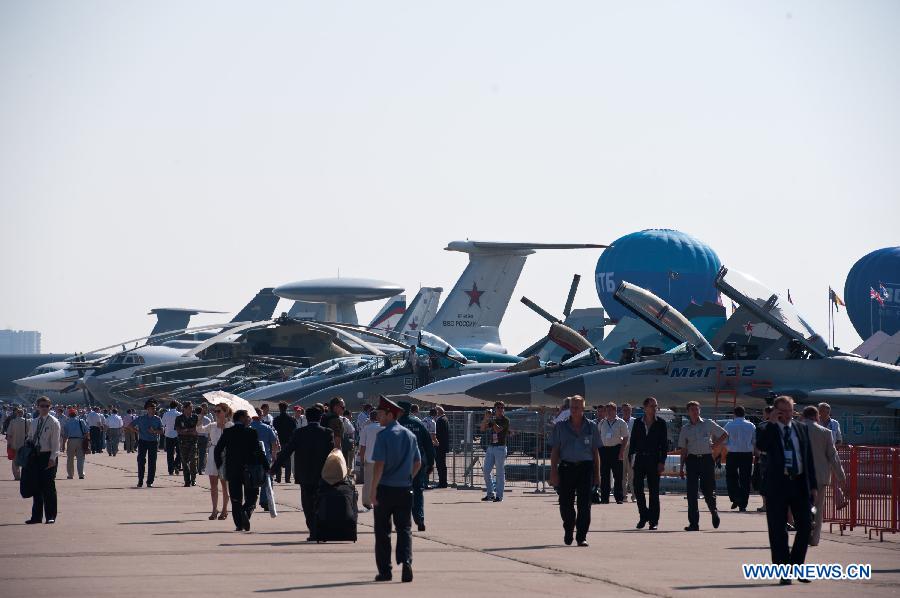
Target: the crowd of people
(789, 460)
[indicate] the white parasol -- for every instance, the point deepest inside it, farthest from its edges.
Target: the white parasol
(236, 403)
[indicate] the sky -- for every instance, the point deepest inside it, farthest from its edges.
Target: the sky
(189, 153)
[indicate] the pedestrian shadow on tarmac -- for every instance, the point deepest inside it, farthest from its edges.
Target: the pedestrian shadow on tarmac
(538, 547)
(727, 586)
(321, 586)
(158, 522)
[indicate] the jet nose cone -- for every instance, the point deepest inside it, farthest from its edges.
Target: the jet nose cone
(511, 388)
(567, 388)
(48, 381)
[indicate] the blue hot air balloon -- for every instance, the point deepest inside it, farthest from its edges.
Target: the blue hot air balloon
(872, 292)
(671, 264)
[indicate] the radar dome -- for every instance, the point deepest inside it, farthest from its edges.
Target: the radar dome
(878, 271)
(673, 265)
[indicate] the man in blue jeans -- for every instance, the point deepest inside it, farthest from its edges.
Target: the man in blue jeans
(149, 427)
(496, 425)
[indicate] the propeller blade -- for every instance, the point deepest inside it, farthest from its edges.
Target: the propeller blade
(539, 310)
(571, 298)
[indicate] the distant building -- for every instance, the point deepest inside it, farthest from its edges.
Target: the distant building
(20, 342)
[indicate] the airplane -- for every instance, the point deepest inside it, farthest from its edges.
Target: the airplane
(394, 374)
(789, 358)
(471, 314)
(163, 345)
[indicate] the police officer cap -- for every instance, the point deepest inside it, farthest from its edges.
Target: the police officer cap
(385, 404)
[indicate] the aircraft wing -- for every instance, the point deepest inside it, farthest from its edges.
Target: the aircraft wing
(889, 398)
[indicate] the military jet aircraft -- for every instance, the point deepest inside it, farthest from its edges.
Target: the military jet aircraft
(795, 361)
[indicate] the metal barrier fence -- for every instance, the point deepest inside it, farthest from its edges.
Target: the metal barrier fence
(873, 499)
(527, 459)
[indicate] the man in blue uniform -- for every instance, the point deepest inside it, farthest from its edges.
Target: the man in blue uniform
(426, 452)
(397, 461)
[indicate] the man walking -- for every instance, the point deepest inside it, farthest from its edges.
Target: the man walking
(173, 459)
(148, 428)
(16, 432)
(95, 422)
(442, 432)
(186, 428)
(43, 431)
(241, 444)
(310, 446)
(114, 425)
(613, 434)
(827, 465)
(426, 453)
(696, 454)
(832, 424)
(574, 467)
(74, 431)
(271, 446)
(496, 425)
(128, 433)
(647, 450)
(739, 462)
(397, 462)
(284, 426)
(790, 483)
(367, 436)
(627, 468)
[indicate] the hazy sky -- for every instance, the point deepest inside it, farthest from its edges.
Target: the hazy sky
(188, 153)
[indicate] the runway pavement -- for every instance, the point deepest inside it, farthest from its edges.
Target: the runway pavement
(112, 539)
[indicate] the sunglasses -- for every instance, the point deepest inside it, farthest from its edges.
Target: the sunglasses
(219, 411)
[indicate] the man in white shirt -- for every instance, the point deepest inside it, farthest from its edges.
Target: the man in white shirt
(627, 467)
(367, 445)
(739, 461)
(95, 422)
(114, 425)
(265, 417)
(832, 424)
(613, 432)
(173, 454)
(44, 432)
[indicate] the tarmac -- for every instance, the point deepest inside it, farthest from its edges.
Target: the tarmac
(113, 539)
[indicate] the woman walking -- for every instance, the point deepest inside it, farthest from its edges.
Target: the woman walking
(222, 421)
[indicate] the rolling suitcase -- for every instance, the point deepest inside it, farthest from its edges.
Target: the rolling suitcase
(336, 513)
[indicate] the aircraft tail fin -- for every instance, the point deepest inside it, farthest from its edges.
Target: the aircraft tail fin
(471, 314)
(419, 313)
(261, 307)
(390, 314)
(172, 319)
(307, 310)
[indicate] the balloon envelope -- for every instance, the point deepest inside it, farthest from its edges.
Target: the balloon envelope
(671, 264)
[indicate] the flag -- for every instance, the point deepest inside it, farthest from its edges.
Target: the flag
(673, 275)
(873, 294)
(835, 299)
(791, 301)
(734, 307)
(884, 292)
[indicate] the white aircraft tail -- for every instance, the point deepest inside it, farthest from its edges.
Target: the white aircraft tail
(419, 313)
(471, 314)
(389, 315)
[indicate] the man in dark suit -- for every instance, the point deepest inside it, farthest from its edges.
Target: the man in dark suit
(240, 444)
(284, 426)
(310, 446)
(790, 483)
(443, 446)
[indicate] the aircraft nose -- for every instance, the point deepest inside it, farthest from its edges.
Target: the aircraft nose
(47, 381)
(512, 388)
(567, 388)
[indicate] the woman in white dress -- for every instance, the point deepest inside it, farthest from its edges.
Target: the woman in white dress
(222, 421)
